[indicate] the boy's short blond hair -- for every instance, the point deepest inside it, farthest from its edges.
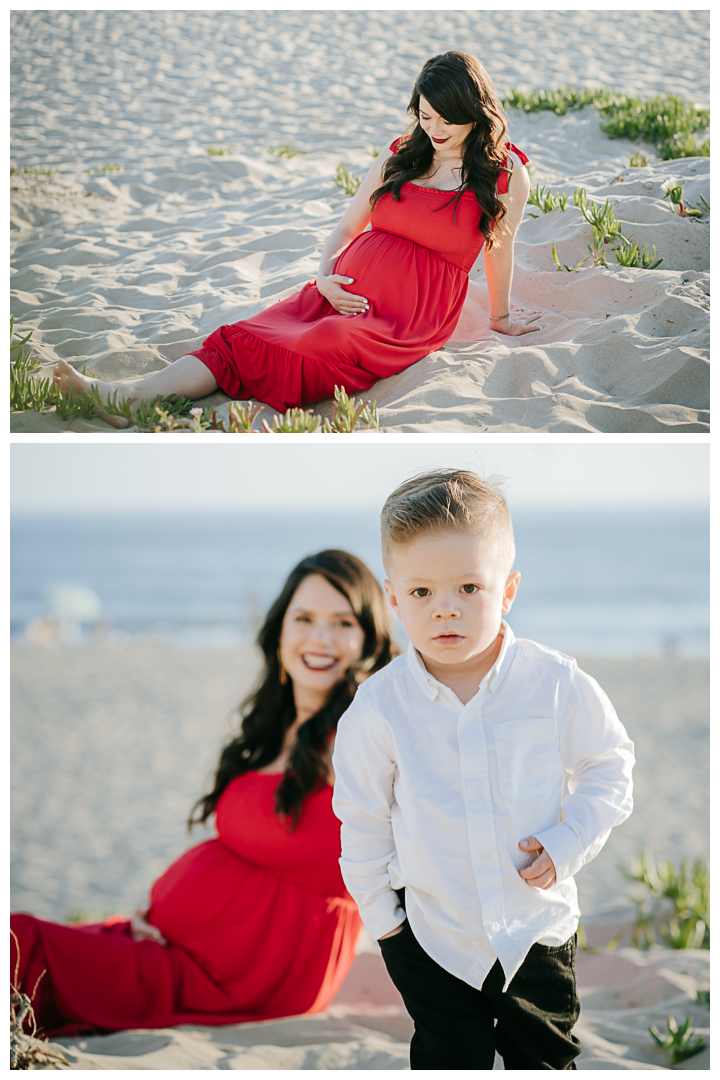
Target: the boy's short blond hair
(447, 499)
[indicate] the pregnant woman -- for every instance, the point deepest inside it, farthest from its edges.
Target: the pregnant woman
(388, 296)
(257, 922)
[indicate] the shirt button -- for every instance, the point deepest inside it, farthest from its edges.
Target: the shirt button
(485, 857)
(496, 926)
(475, 786)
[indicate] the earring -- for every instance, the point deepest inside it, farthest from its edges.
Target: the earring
(283, 672)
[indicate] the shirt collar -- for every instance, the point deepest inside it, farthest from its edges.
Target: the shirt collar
(431, 687)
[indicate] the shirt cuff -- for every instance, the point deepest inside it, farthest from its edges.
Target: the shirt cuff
(563, 847)
(383, 914)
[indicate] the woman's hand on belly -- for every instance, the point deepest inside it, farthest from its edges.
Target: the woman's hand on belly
(346, 303)
(142, 930)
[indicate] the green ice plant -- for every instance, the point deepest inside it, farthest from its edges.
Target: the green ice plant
(294, 421)
(27, 390)
(686, 886)
(606, 228)
(31, 171)
(667, 121)
(558, 101)
(347, 417)
(285, 150)
(75, 403)
(629, 255)
(346, 181)
(602, 218)
(674, 192)
(242, 417)
(638, 161)
(106, 169)
(546, 200)
(564, 266)
(678, 1042)
(218, 151)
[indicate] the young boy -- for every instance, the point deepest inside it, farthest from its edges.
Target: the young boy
(456, 842)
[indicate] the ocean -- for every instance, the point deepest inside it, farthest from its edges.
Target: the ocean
(608, 583)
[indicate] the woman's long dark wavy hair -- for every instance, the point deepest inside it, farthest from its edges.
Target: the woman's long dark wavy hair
(460, 91)
(270, 710)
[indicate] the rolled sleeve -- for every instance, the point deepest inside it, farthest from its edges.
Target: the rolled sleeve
(599, 757)
(364, 766)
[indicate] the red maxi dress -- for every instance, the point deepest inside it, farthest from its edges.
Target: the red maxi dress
(259, 922)
(412, 266)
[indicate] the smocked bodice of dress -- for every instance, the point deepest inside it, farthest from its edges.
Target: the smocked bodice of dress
(430, 217)
(422, 216)
(306, 856)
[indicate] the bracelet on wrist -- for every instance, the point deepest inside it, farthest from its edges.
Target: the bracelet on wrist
(499, 318)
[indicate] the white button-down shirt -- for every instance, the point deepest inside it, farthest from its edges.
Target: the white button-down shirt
(435, 796)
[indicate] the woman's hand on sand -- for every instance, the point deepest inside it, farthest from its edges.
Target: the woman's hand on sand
(347, 303)
(142, 930)
(517, 324)
(541, 872)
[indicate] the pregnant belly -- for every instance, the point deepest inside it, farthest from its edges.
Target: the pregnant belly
(199, 890)
(403, 280)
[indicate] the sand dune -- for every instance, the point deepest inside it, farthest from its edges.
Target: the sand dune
(123, 271)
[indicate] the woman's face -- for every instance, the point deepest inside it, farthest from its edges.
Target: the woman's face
(444, 136)
(320, 638)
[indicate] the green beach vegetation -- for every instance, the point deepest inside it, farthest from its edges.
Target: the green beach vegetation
(31, 171)
(28, 391)
(285, 150)
(680, 895)
(347, 416)
(668, 121)
(106, 169)
(678, 1043)
(605, 226)
(346, 181)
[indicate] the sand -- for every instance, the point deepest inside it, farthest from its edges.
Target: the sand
(125, 271)
(111, 746)
(367, 1027)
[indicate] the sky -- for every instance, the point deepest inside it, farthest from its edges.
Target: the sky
(252, 474)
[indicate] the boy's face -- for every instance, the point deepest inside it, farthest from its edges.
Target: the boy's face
(451, 590)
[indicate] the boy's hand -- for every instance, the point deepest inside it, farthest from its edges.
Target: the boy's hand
(540, 873)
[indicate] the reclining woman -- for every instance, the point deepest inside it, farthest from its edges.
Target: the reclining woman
(255, 923)
(387, 296)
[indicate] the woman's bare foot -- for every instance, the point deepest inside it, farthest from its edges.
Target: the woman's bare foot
(67, 378)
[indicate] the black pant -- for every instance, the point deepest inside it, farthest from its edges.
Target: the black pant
(455, 1024)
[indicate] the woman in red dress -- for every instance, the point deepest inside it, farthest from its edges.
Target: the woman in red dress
(387, 296)
(257, 922)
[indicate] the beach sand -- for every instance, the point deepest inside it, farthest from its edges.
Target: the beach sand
(110, 747)
(367, 1027)
(125, 271)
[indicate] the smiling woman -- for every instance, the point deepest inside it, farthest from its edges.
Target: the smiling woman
(255, 923)
(409, 270)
